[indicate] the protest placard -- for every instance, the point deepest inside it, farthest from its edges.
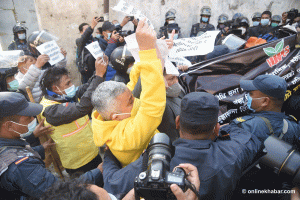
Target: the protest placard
(95, 49)
(194, 46)
(170, 68)
(52, 50)
(179, 60)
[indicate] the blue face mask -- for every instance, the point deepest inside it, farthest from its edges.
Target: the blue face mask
(14, 85)
(274, 24)
(71, 91)
(22, 36)
(31, 126)
(175, 36)
(264, 22)
(255, 23)
(108, 36)
(249, 102)
(98, 36)
(204, 19)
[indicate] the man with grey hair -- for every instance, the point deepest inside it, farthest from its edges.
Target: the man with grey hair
(124, 123)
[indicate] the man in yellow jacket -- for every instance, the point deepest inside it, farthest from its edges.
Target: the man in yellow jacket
(124, 123)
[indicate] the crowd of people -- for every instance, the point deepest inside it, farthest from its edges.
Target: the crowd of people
(122, 105)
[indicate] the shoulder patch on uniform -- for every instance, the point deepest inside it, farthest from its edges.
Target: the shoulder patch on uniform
(21, 160)
(239, 119)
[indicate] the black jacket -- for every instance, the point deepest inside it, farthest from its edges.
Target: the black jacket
(68, 111)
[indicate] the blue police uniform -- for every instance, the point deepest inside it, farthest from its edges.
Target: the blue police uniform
(220, 163)
(201, 28)
(26, 175)
(256, 125)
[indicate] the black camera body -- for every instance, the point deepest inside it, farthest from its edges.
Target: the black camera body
(124, 33)
(131, 18)
(155, 181)
(292, 14)
(101, 19)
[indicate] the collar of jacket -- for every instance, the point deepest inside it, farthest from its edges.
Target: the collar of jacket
(56, 97)
(193, 144)
(12, 142)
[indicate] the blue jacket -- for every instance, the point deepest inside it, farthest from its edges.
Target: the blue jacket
(254, 124)
(220, 163)
(27, 176)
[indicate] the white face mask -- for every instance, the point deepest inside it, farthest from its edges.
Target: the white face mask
(172, 22)
(129, 70)
(22, 36)
(243, 30)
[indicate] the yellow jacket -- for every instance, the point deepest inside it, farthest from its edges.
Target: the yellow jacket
(128, 138)
(74, 141)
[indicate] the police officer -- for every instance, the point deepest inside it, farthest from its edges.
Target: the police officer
(220, 160)
(265, 98)
(276, 19)
(256, 18)
(223, 18)
(264, 27)
(204, 25)
(22, 169)
(19, 42)
(121, 61)
(170, 19)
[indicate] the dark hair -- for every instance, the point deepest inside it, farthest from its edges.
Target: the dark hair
(196, 129)
(52, 77)
(74, 189)
(267, 13)
(81, 26)
(100, 30)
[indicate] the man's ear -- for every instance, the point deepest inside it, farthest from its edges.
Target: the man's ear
(217, 129)
(55, 89)
(266, 102)
(177, 123)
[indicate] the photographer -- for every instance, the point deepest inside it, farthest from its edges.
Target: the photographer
(85, 64)
(109, 42)
(220, 156)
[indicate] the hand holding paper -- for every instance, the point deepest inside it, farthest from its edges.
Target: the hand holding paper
(145, 36)
(41, 61)
(101, 65)
(52, 50)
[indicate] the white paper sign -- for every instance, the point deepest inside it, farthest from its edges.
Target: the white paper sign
(170, 68)
(180, 60)
(52, 50)
(95, 49)
(194, 46)
(128, 10)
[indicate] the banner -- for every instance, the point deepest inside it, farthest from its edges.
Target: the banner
(52, 50)
(95, 49)
(194, 46)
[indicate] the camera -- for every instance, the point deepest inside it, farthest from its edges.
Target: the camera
(131, 18)
(101, 19)
(292, 14)
(282, 158)
(154, 183)
(124, 33)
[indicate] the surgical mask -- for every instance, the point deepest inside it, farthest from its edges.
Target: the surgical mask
(108, 36)
(175, 36)
(22, 36)
(129, 70)
(243, 30)
(71, 91)
(264, 22)
(31, 126)
(14, 85)
(112, 197)
(249, 101)
(174, 90)
(172, 22)
(221, 26)
(274, 24)
(98, 36)
(255, 23)
(204, 19)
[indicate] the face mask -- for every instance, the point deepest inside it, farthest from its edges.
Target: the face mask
(264, 22)
(172, 22)
(22, 36)
(204, 19)
(243, 30)
(98, 36)
(221, 26)
(129, 70)
(249, 101)
(255, 23)
(31, 126)
(71, 91)
(174, 90)
(14, 85)
(175, 36)
(274, 24)
(108, 36)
